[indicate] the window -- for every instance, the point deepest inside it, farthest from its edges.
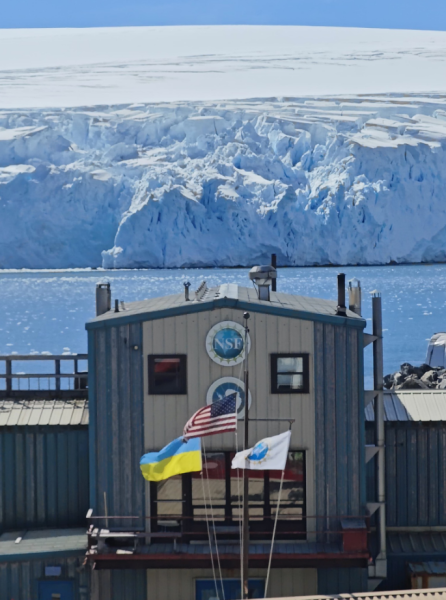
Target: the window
(189, 498)
(289, 374)
(167, 374)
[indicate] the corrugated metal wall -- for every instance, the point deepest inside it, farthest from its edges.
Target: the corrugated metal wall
(19, 580)
(123, 584)
(116, 420)
(341, 581)
(340, 484)
(415, 473)
(44, 477)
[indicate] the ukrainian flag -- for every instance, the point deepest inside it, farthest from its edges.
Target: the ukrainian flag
(176, 458)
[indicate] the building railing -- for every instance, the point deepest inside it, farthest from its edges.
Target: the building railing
(65, 379)
(349, 534)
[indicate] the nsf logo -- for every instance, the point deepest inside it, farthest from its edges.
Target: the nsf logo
(225, 343)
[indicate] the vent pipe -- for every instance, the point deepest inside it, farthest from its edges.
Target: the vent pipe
(274, 265)
(354, 296)
(103, 298)
(341, 310)
(187, 285)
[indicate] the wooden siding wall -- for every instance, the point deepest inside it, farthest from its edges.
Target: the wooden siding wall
(43, 477)
(116, 420)
(165, 416)
(176, 584)
(340, 472)
(19, 580)
(415, 473)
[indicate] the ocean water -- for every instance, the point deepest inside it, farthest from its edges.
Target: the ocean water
(46, 311)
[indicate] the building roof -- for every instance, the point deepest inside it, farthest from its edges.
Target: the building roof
(415, 542)
(228, 295)
(19, 545)
(419, 405)
(423, 594)
(427, 568)
(43, 412)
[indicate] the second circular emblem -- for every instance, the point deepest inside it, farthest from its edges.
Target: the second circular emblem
(225, 343)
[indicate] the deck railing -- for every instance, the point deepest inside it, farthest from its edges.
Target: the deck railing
(66, 378)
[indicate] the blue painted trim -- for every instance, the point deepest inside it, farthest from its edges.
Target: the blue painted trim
(223, 303)
(31, 556)
(92, 416)
(362, 466)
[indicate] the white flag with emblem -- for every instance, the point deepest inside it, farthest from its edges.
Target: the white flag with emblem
(268, 454)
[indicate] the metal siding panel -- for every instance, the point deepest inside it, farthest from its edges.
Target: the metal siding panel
(137, 416)
(30, 469)
(330, 424)
(412, 477)
(92, 392)
(102, 458)
(401, 476)
(20, 477)
(125, 412)
(442, 474)
(41, 478)
(62, 478)
(118, 451)
(433, 464)
(73, 466)
(320, 421)
(392, 489)
(357, 505)
(342, 422)
(423, 477)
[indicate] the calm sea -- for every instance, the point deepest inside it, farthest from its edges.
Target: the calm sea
(45, 311)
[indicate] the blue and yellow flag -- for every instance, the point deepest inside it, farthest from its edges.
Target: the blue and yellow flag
(176, 458)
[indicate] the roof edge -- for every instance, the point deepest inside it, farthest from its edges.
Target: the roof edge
(196, 307)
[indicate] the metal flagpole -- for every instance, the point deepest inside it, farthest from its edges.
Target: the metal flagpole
(245, 550)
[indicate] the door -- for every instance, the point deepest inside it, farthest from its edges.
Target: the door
(56, 590)
(205, 589)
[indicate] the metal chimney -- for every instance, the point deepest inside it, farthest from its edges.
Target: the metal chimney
(354, 295)
(103, 298)
(341, 310)
(262, 277)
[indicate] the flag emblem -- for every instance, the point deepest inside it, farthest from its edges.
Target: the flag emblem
(259, 452)
(219, 417)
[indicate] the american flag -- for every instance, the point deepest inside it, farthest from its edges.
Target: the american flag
(219, 417)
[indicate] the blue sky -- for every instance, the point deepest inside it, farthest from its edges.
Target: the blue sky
(409, 14)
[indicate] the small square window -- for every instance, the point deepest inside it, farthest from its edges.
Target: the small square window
(289, 374)
(167, 374)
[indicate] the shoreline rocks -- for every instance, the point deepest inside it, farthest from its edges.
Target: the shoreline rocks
(410, 377)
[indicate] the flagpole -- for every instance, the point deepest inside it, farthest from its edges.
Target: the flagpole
(245, 550)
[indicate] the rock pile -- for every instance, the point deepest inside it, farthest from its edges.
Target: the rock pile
(423, 377)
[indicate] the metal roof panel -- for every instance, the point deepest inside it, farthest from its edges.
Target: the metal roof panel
(418, 406)
(28, 413)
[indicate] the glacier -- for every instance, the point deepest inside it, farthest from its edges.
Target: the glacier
(318, 181)
(118, 151)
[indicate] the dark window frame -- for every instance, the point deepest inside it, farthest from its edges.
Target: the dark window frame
(286, 529)
(306, 373)
(151, 374)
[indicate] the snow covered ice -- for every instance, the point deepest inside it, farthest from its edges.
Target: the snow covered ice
(165, 174)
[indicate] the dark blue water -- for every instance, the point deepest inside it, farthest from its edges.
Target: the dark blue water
(47, 311)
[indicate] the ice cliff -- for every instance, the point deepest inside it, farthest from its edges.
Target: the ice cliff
(340, 180)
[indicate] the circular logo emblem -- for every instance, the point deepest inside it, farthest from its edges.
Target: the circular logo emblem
(225, 343)
(225, 387)
(259, 452)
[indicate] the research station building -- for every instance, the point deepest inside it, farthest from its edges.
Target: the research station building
(362, 502)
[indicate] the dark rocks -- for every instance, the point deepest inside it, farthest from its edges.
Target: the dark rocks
(410, 377)
(412, 383)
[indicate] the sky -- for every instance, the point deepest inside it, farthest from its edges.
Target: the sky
(391, 14)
